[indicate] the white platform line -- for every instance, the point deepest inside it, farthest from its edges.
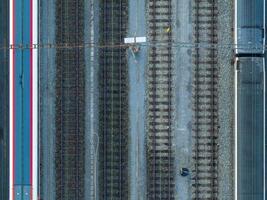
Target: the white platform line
(235, 25)
(235, 99)
(235, 147)
(35, 101)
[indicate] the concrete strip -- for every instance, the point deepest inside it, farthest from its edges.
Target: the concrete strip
(137, 81)
(182, 30)
(91, 87)
(47, 101)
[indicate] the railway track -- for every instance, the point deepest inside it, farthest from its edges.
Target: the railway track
(159, 145)
(70, 105)
(113, 137)
(205, 101)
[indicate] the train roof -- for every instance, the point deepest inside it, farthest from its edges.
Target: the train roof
(250, 126)
(250, 13)
(251, 70)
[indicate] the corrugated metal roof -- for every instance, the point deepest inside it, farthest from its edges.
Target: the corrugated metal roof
(250, 40)
(250, 133)
(250, 13)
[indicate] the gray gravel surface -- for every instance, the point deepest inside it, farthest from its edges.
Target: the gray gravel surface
(226, 101)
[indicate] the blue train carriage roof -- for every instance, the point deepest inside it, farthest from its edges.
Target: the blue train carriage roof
(251, 70)
(250, 26)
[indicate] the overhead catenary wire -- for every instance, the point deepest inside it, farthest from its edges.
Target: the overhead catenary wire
(122, 45)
